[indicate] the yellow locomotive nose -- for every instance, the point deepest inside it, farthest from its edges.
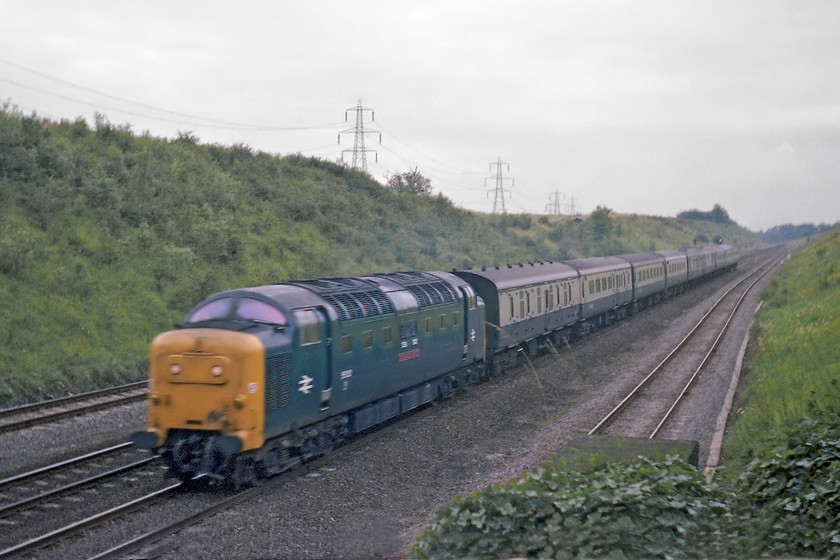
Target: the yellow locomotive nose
(208, 380)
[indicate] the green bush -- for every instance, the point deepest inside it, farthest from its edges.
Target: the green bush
(638, 509)
(793, 491)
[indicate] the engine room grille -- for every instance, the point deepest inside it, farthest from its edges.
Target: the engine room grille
(360, 304)
(428, 289)
(352, 298)
(278, 382)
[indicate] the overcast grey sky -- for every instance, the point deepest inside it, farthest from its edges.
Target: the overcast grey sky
(643, 106)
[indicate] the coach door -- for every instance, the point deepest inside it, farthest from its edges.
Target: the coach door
(314, 362)
(468, 330)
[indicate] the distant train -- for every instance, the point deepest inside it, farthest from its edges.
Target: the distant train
(258, 380)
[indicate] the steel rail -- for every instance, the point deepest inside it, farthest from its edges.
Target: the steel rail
(61, 464)
(54, 416)
(708, 355)
(4, 510)
(60, 401)
(674, 352)
(62, 532)
(120, 550)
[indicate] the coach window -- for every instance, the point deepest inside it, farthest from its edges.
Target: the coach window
(521, 305)
(346, 344)
(511, 307)
(428, 325)
(367, 339)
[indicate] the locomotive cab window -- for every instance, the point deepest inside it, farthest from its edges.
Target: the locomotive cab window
(387, 335)
(308, 324)
(257, 310)
(346, 344)
(217, 309)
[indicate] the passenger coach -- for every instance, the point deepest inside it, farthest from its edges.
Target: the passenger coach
(606, 288)
(525, 301)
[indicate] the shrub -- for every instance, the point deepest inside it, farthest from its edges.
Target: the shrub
(794, 491)
(639, 509)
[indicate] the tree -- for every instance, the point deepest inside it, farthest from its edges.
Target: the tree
(601, 222)
(718, 215)
(411, 182)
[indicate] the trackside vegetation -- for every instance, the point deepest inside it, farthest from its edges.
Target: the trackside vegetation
(781, 493)
(638, 509)
(795, 364)
(108, 237)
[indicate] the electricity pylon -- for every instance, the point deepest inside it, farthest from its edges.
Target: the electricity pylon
(359, 150)
(553, 206)
(499, 190)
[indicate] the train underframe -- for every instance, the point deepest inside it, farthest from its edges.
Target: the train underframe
(196, 454)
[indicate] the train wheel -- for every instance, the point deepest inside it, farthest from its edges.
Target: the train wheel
(245, 473)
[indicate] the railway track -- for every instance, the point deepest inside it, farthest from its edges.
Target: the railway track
(25, 416)
(112, 532)
(37, 506)
(645, 410)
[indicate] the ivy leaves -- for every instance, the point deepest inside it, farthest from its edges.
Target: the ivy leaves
(794, 492)
(639, 509)
(786, 503)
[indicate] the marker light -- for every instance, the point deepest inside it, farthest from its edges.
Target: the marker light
(175, 369)
(217, 370)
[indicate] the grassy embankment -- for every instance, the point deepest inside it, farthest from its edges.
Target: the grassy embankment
(109, 237)
(796, 362)
(782, 493)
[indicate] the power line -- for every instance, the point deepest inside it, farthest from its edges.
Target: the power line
(202, 121)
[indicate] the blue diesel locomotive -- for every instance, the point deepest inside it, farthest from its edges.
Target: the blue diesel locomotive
(258, 380)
